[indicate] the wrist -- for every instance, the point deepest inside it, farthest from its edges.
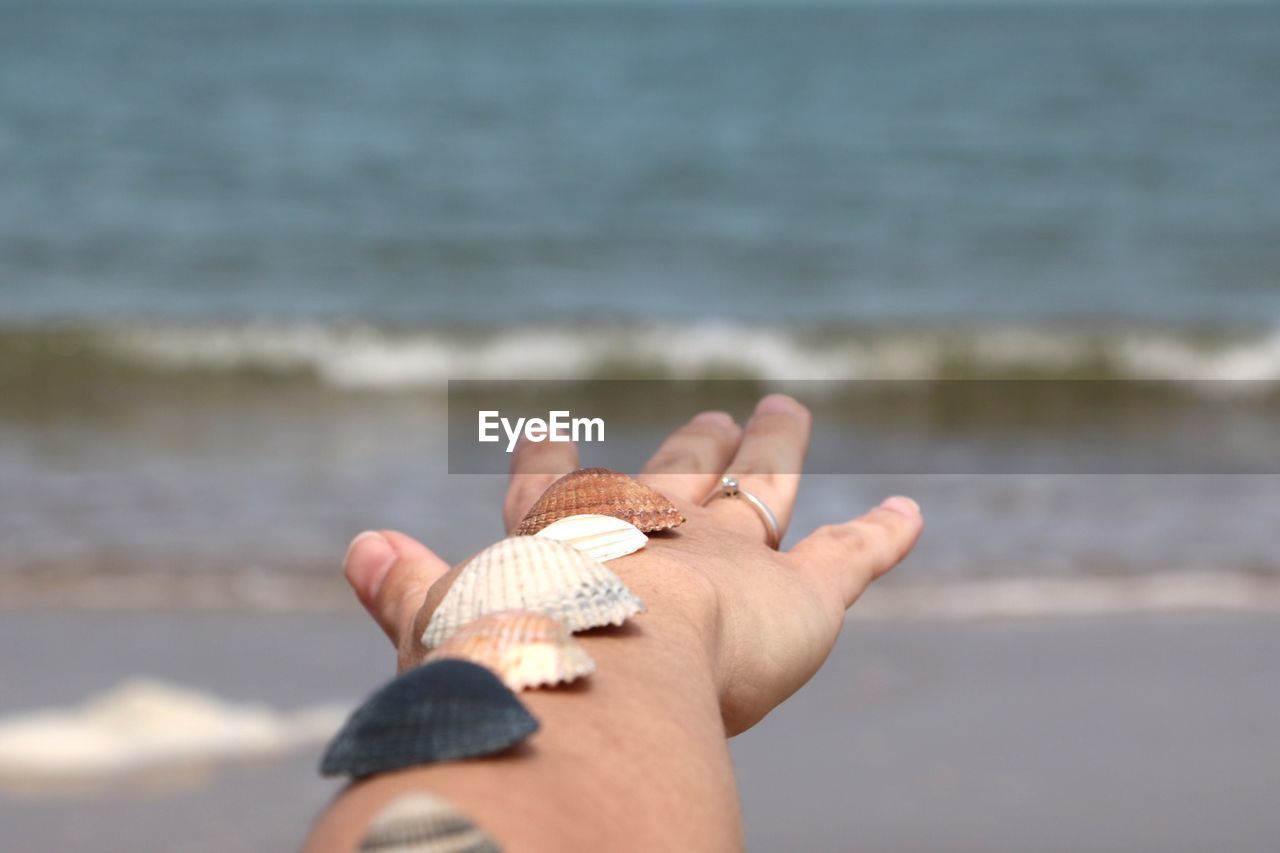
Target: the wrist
(608, 746)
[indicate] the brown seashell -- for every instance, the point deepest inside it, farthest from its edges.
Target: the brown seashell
(600, 491)
(524, 648)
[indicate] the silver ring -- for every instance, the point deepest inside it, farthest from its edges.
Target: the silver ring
(729, 488)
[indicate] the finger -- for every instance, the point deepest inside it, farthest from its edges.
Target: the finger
(535, 465)
(845, 558)
(688, 464)
(768, 463)
(390, 573)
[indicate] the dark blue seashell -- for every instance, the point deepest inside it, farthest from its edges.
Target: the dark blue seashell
(443, 711)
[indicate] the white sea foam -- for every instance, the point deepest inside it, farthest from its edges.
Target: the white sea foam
(362, 356)
(1173, 357)
(144, 723)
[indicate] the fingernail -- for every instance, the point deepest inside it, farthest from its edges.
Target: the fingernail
(723, 419)
(776, 403)
(369, 559)
(901, 504)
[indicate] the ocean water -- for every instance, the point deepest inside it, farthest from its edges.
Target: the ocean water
(242, 247)
(429, 164)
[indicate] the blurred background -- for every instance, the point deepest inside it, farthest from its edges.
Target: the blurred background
(244, 245)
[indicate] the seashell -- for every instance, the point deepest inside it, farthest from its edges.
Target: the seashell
(421, 823)
(440, 711)
(600, 491)
(525, 649)
(601, 536)
(530, 573)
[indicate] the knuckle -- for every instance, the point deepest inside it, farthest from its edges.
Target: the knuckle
(782, 423)
(831, 531)
(871, 536)
(884, 537)
(527, 488)
(759, 478)
(852, 536)
(712, 431)
(543, 459)
(682, 460)
(772, 425)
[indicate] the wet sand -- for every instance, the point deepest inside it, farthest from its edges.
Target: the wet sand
(1120, 732)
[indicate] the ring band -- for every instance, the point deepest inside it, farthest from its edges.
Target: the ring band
(729, 488)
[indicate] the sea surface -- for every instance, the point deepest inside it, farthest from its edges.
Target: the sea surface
(243, 246)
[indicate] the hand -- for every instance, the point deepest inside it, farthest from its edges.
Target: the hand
(766, 619)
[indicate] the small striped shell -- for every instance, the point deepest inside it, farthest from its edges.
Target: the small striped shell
(601, 536)
(600, 491)
(421, 823)
(525, 649)
(530, 573)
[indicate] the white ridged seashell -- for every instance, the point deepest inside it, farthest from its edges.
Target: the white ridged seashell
(601, 536)
(529, 573)
(524, 648)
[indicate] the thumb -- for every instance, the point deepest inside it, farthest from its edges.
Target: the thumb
(846, 558)
(391, 573)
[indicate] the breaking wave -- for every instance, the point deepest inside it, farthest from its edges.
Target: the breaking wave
(352, 355)
(145, 723)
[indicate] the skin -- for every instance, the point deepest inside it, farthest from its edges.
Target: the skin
(636, 756)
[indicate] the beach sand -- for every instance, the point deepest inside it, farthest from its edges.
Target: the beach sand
(1120, 732)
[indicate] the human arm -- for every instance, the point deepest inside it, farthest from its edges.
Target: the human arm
(636, 756)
